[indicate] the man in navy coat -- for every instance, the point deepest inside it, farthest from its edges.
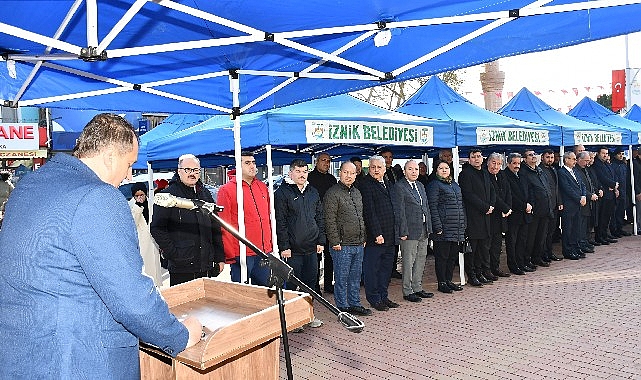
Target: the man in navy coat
(382, 234)
(73, 296)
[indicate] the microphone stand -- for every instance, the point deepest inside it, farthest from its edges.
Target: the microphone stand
(281, 272)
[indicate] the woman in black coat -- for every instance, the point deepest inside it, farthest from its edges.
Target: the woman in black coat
(448, 222)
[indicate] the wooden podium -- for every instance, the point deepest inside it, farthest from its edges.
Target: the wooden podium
(242, 323)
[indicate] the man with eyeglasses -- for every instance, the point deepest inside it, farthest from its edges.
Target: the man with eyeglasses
(189, 239)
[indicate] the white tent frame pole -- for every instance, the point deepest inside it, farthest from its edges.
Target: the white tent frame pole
(180, 46)
(38, 38)
(120, 25)
(308, 69)
(92, 23)
(632, 195)
(234, 87)
(123, 87)
(63, 25)
(461, 255)
(277, 38)
(272, 206)
(150, 191)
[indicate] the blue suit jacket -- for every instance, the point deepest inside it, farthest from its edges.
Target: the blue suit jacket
(571, 191)
(73, 299)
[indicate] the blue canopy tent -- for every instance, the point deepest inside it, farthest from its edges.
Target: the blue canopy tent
(634, 114)
(592, 112)
(180, 56)
(527, 106)
(476, 126)
(171, 124)
(341, 126)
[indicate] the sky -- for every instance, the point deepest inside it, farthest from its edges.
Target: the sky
(586, 68)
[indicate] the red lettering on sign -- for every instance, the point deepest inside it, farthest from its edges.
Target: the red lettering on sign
(20, 132)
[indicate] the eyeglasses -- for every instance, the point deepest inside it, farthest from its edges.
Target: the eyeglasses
(529, 155)
(191, 170)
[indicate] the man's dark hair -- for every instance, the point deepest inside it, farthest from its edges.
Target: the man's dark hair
(384, 151)
(548, 151)
(297, 163)
(355, 159)
(103, 131)
(512, 156)
(474, 150)
(247, 153)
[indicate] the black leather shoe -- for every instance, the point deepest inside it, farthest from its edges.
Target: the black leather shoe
(517, 272)
(594, 243)
(396, 274)
(500, 273)
(612, 240)
(359, 310)
(443, 288)
(381, 306)
(453, 286)
(424, 294)
(473, 281)
(412, 298)
(391, 304)
(546, 259)
(603, 242)
(587, 250)
(531, 265)
(580, 254)
(482, 279)
(542, 264)
(556, 258)
(571, 256)
(528, 269)
(490, 276)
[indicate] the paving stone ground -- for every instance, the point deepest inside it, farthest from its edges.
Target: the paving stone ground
(573, 320)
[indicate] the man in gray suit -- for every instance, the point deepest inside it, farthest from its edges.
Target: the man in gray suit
(414, 228)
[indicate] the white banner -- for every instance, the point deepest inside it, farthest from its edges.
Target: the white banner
(597, 138)
(19, 136)
(511, 136)
(633, 80)
(334, 131)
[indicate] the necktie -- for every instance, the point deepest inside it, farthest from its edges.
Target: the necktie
(417, 193)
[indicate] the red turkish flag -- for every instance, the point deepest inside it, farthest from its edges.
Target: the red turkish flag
(618, 90)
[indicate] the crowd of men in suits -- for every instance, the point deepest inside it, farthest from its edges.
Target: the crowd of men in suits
(519, 198)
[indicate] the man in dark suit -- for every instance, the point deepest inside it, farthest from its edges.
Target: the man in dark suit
(573, 196)
(609, 185)
(479, 198)
(321, 179)
(382, 234)
(392, 174)
(415, 225)
(498, 217)
(539, 196)
(591, 192)
(549, 171)
(519, 220)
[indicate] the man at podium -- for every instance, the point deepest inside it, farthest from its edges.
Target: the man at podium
(73, 299)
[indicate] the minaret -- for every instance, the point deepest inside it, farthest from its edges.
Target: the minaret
(492, 83)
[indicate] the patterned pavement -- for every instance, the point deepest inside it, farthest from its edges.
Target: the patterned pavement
(573, 320)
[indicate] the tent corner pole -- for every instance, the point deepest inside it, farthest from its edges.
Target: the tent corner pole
(234, 87)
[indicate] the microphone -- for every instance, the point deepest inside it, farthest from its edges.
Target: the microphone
(168, 200)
